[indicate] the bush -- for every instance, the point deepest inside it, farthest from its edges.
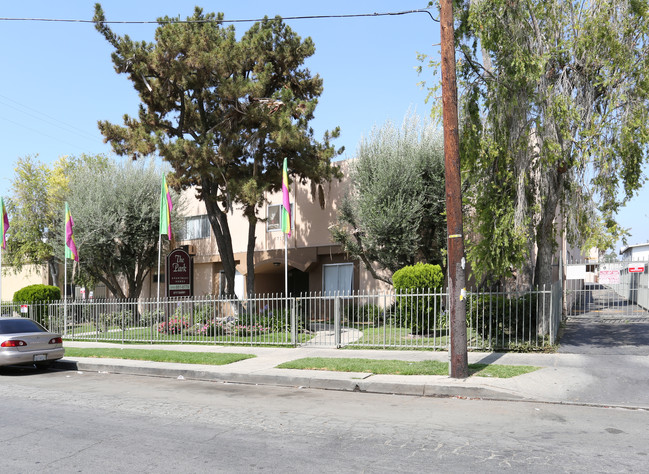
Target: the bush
(35, 294)
(499, 315)
(176, 325)
(121, 319)
(250, 330)
(273, 320)
(212, 328)
(369, 314)
(421, 276)
(419, 298)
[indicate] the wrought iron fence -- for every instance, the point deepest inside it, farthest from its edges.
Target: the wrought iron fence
(416, 320)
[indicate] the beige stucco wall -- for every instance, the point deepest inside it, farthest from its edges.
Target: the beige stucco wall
(309, 247)
(29, 275)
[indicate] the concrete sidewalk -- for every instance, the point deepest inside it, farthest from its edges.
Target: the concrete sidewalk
(600, 380)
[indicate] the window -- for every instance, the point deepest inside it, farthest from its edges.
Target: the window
(274, 215)
(337, 278)
(196, 227)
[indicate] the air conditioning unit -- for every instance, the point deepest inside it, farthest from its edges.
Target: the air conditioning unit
(190, 249)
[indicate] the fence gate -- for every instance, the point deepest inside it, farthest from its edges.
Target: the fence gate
(612, 293)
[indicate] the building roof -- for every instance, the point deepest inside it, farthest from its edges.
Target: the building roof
(629, 247)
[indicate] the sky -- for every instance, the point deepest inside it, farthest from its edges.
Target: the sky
(58, 80)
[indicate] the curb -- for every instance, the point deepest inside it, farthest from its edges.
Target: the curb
(346, 382)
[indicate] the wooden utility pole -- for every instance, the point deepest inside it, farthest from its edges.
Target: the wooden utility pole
(456, 262)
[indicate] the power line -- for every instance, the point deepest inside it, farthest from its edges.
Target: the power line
(249, 20)
(48, 119)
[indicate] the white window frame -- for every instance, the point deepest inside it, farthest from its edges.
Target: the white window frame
(274, 227)
(204, 227)
(324, 279)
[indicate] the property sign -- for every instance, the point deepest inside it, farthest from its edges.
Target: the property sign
(609, 277)
(180, 274)
(636, 268)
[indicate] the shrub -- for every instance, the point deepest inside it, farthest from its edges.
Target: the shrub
(250, 330)
(421, 276)
(38, 294)
(498, 315)
(369, 314)
(419, 298)
(204, 313)
(175, 325)
(121, 319)
(274, 320)
(212, 328)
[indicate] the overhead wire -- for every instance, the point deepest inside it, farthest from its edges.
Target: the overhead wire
(86, 135)
(215, 20)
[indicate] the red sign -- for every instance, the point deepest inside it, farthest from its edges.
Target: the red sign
(636, 268)
(180, 274)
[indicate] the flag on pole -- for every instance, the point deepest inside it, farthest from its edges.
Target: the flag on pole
(286, 201)
(165, 209)
(4, 223)
(70, 246)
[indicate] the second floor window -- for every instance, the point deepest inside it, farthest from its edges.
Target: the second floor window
(196, 227)
(274, 221)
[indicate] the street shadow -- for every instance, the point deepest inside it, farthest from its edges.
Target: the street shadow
(24, 370)
(491, 358)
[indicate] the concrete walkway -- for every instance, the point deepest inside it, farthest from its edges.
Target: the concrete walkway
(601, 380)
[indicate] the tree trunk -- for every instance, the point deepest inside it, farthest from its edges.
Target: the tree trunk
(53, 267)
(545, 242)
(250, 253)
(112, 285)
(219, 222)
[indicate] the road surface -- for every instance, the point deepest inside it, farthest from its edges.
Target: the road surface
(94, 422)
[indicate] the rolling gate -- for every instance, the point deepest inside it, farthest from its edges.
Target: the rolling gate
(611, 293)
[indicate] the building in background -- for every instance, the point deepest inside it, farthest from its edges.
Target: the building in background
(315, 263)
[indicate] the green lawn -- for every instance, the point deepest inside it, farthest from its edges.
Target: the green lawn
(145, 334)
(398, 367)
(182, 357)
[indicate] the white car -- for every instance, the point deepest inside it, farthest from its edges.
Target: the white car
(25, 342)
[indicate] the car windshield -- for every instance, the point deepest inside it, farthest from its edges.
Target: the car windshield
(10, 326)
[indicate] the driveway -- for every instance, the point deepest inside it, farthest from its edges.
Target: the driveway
(602, 322)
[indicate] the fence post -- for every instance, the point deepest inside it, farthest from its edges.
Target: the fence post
(337, 303)
(293, 322)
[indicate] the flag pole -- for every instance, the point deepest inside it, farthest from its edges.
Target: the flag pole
(65, 271)
(286, 267)
(0, 277)
(159, 256)
(4, 223)
(165, 228)
(65, 295)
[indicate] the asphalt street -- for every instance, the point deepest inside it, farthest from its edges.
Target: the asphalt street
(75, 421)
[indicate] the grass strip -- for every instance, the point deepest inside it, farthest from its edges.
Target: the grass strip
(400, 367)
(207, 358)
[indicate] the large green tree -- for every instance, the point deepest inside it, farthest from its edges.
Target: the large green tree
(224, 113)
(36, 208)
(116, 211)
(393, 214)
(555, 125)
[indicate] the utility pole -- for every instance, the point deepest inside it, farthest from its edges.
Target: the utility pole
(456, 263)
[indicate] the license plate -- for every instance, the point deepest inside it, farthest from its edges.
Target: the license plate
(40, 357)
